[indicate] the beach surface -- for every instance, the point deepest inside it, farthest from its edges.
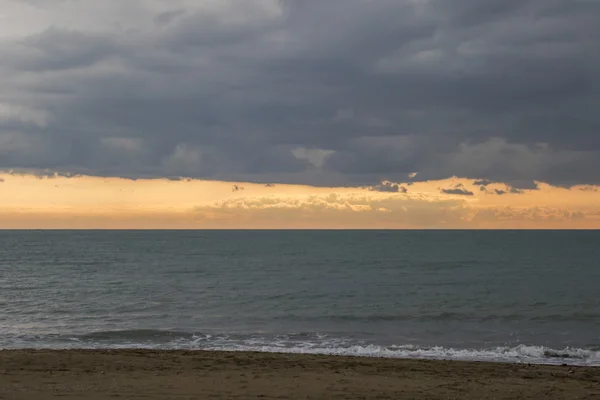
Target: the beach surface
(149, 374)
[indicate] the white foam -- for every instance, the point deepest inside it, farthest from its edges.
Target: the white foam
(525, 354)
(319, 344)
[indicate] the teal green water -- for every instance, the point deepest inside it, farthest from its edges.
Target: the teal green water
(529, 296)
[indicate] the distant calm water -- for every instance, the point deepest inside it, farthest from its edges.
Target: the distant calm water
(531, 296)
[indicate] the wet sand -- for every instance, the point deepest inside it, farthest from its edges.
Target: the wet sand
(144, 374)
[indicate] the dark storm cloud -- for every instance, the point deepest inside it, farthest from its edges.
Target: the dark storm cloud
(349, 92)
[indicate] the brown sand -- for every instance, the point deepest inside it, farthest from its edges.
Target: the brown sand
(141, 374)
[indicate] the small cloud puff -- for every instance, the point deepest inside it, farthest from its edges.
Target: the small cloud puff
(482, 182)
(500, 192)
(458, 189)
(389, 187)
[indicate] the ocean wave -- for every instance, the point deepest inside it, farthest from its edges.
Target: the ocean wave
(302, 343)
(135, 334)
(446, 316)
(521, 353)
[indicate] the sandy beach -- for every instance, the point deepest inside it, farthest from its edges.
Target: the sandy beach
(145, 374)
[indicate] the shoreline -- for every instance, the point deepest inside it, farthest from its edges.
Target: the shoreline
(547, 356)
(197, 374)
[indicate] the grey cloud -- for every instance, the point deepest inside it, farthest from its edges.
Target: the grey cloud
(179, 179)
(518, 191)
(390, 187)
(482, 182)
(516, 186)
(506, 190)
(458, 189)
(61, 49)
(327, 93)
(43, 174)
(168, 16)
(512, 190)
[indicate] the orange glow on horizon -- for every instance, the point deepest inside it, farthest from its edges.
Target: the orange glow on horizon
(84, 202)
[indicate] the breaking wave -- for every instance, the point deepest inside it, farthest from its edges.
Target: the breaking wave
(302, 343)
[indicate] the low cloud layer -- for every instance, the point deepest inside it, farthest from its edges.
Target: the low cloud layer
(343, 92)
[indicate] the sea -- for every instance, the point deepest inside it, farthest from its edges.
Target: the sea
(508, 296)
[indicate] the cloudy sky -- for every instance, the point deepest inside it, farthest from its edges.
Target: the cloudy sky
(300, 113)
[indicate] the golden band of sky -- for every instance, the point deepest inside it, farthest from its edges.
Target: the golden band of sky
(84, 202)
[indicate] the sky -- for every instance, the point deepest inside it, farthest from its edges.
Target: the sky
(408, 114)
